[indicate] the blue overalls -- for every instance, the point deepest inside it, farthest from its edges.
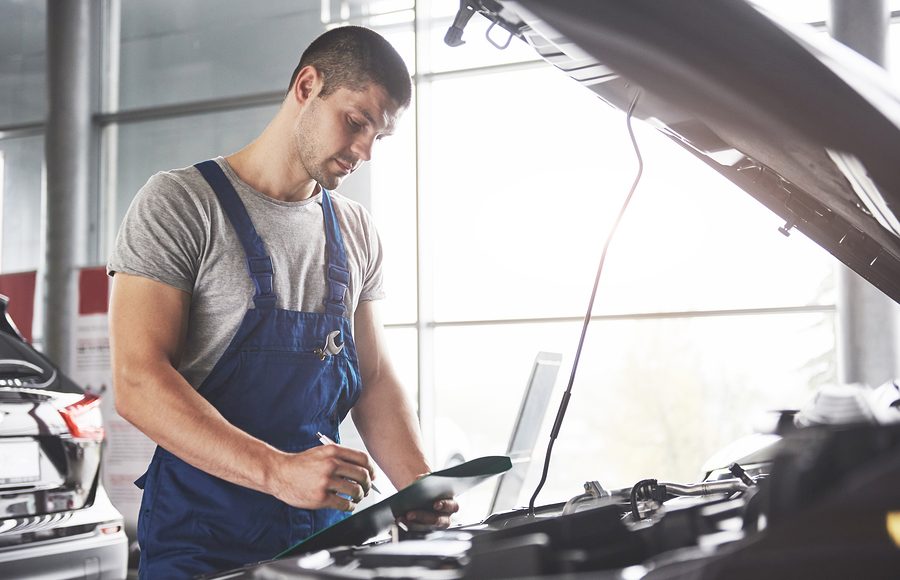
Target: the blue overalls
(275, 383)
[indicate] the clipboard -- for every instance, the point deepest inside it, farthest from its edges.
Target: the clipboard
(376, 518)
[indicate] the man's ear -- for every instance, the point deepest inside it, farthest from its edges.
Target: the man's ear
(307, 84)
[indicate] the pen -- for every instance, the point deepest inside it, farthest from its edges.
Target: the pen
(326, 440)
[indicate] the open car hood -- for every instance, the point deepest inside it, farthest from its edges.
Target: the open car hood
(802, 123)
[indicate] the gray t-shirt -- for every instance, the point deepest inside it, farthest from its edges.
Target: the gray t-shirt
(177, 233)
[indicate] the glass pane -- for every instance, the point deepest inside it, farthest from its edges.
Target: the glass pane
(143, 148)
(22, 188)
(400, 34)
(23, 61)
(538, 175)
(404, 352)
(893, 50)
(652, 398)
(393, 205)
(173, 51)
(342, 10)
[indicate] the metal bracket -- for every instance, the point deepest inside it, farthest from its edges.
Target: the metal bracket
(487, 35)
(787, 227)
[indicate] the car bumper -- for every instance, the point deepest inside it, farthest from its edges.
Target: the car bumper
(99, 553)
(96, 556)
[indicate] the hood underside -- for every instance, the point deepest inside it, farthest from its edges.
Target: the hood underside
(803, 124)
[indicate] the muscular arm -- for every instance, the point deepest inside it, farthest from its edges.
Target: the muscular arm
(384, 416)
(148, 326)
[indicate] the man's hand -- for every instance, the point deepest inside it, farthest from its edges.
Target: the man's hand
(437, 517)
(330, 476)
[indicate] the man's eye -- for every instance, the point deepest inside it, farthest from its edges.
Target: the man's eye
(353, 124)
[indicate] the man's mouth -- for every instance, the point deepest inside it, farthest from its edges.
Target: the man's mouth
(345, 167)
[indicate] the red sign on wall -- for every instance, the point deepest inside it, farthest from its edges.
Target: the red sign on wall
(93, 291)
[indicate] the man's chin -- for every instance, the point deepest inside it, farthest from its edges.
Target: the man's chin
(330, 182)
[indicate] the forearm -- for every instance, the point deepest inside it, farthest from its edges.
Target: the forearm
(161, 403)
(385, 419)
(390, 430)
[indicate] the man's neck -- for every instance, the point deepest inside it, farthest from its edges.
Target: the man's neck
(267, 167)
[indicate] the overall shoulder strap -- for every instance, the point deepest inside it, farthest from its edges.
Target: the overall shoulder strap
(259, 264)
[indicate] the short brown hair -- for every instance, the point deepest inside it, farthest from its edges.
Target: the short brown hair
(353, 57)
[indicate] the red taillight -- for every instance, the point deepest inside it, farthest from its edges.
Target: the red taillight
(84, 419)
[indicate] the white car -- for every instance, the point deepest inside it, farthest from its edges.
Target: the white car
(56, 521)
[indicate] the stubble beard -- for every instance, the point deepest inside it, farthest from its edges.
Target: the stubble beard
(309, 150)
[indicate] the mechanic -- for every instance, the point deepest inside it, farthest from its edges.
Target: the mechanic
(243, 321)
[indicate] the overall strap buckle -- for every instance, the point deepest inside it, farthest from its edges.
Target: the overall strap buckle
(338, 285)
(263, 275)
(337, 274)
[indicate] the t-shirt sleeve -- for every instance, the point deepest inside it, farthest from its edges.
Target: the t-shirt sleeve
(163, 235)
(373, 279)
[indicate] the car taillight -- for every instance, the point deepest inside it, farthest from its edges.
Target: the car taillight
(84, 419)
(108, 530)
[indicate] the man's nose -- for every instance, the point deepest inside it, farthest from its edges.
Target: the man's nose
(362, 148)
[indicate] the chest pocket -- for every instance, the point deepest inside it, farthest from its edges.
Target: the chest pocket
(282, 391)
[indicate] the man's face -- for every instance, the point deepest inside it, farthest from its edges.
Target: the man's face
(335, 134)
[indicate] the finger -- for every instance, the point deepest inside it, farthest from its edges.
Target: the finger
(446, 506)
(424, 517)
(442, 522)
(356, 474)
(347, 487)
(412, 524)
(354, 456)
(340, 503)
